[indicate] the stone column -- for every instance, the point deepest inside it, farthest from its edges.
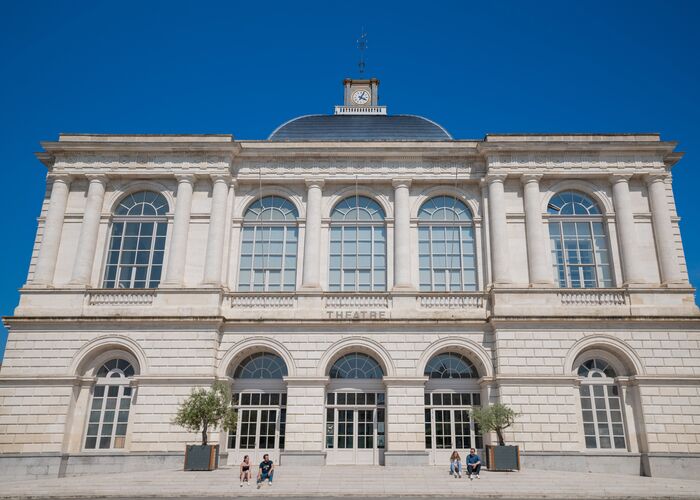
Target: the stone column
(311, 277)
(624, 217)
(217, 230)
(498, 229)
(405, 421)
(53, 227)
(540, 274)
(305, 435)
(663, 230)
(87, 241)
(175, 274)
(402, 234)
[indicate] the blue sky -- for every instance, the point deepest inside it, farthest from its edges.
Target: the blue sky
(245, 67)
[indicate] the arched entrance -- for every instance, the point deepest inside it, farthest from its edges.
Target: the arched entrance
(355, 411)
(451, 393)
(260, 398)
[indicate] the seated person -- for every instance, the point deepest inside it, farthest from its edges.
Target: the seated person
(266, 470)
(473, 464)
(456, 464)
(245, 470)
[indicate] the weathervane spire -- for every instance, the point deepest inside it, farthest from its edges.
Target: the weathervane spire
(361, 46)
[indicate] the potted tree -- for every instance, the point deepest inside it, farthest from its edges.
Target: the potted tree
(498, 417)
(202, 410)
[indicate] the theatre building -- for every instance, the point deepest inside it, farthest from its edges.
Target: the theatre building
(363, 281)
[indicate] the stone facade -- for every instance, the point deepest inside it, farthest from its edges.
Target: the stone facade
(525, 335)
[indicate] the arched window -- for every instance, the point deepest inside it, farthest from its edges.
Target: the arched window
(109, 410)
(356, 365)
(450, 365)
(137, 242)
(260, 399)
(269, 246)
(447, 256)
(603, 423)
(358, 246)
(261, 365)
(580, 249)
(450, 397)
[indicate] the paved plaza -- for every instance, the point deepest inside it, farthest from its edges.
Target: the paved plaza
(359, 481)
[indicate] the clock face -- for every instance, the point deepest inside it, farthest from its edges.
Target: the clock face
(360, 96)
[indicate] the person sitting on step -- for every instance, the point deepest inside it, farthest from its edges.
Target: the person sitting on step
(473, 464)
(245, 470)
(456, 465)
(266, 471)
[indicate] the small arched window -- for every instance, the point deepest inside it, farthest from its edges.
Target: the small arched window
(579, 243)
(357, 261)
(601, 405)
(356, 365)
(269, 246)
(110, 406)
(447, 255)
(450, 365)
(261, 365)
(137, 242)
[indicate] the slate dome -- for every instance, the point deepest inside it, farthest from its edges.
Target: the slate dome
(360, 128)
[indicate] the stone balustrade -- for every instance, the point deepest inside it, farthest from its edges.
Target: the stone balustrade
(118, 297)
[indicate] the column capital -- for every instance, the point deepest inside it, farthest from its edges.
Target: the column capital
(61, 177)
(185, 178)
(528, 178)
(220, 178)
(314, 183)
(495, 177)
(401, 182)
(101, 178)
(656, 177)
(620, 177)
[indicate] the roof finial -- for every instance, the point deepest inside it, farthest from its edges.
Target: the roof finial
(362, 45)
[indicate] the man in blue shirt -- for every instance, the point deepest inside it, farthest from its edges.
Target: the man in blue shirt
(473, 464)
(266, 471)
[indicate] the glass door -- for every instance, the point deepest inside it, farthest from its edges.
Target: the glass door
(355, 428)
(449, 425)
(260, 428)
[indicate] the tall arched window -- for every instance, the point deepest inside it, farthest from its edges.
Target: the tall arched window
(451, 394)
(447, 256)
(603, 424)
(260, 399)
(269, 246)
(580, 249)
(355, 410)
(137, 242)
(109, 410)
(358, 246)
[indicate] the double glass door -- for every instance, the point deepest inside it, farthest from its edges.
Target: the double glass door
(449, 425)
(355, 428)
(260, 427)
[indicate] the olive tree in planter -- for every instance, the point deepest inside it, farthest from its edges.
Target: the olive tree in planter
(496, 418)
(206, 409)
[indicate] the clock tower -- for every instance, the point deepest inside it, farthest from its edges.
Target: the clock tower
(361, 97)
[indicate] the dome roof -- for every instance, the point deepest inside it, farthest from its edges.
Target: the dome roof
(360, 128)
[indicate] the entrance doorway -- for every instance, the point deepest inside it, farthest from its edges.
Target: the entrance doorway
(449, 425)
(260, 428)
(355, 428)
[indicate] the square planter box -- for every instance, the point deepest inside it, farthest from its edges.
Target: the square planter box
(198, 457)
(502, 458)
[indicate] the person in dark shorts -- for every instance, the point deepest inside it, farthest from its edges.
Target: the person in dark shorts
(266, 471)
(245, 470)
(473, 464)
